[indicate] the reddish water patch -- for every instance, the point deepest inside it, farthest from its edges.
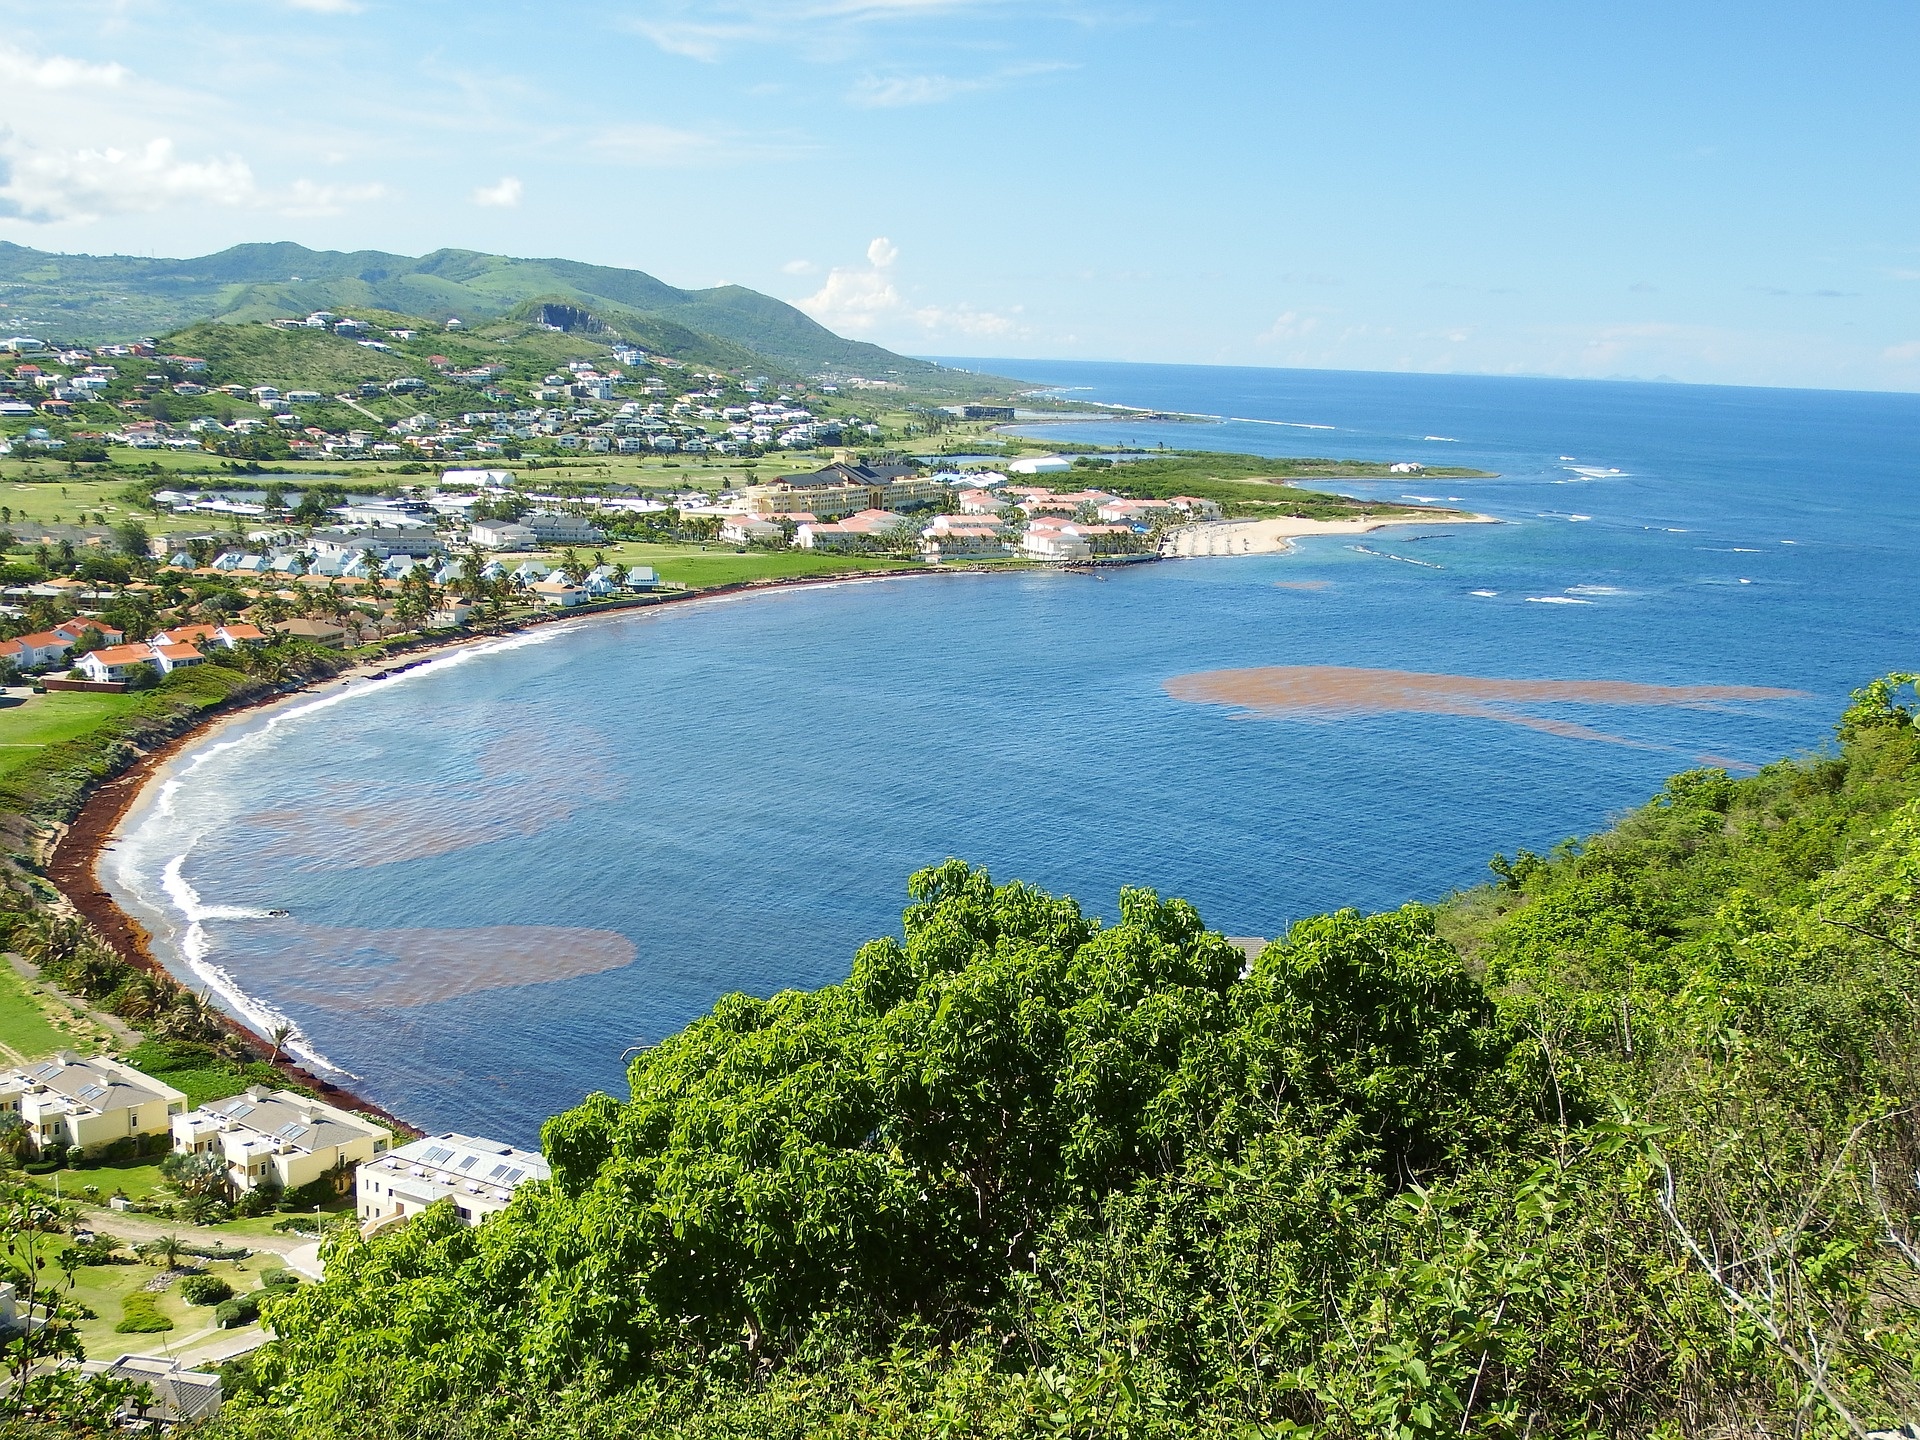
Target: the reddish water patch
(344, 969)
(1303, 584)
(1331, 691)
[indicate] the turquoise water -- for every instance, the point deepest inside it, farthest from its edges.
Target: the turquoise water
(504, 869)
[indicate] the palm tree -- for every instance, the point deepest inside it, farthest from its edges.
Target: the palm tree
(280, 1034)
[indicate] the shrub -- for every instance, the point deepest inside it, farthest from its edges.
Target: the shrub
(241, 1310)
(141, 1315)
(205, 1290)
(278, 1279)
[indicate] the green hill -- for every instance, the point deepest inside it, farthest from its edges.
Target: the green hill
(93, 298)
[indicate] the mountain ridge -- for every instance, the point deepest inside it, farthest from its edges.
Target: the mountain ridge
(96, 298)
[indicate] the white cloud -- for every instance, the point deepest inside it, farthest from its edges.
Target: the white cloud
(798, 267)
(1905, 354)
(327, 7)
(1289, 325)
(887, 92)
(116, 154)
(19, 70)
(504, 195)
(860, 300)
(704, 29)
(49, 185)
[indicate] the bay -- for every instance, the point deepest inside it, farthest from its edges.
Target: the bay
(506, 868)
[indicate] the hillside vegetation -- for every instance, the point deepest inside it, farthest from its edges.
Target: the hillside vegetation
(1621, 1146)
(89, 298)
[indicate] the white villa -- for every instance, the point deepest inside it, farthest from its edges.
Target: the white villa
(68, 1101)
(275, 1137)
(479, 1176)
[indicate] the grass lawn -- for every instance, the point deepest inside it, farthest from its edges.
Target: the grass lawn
(103, 1288)
(138, 1180)
(42, 720)
(700, 569)
(24, 1026)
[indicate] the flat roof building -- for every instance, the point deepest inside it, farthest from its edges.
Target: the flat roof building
(478, 1176)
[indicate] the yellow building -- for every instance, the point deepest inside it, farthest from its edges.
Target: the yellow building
(68, 1102)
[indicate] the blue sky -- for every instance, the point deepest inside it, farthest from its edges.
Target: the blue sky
(1710, 192)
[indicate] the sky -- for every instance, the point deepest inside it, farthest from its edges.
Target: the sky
(1718, 193)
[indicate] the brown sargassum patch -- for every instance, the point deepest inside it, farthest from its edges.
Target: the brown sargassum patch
(349, 970)
(1334, 691)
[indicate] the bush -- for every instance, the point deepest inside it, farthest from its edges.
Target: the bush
(141, 1315)
(205, 1290)
(278, 1279)
(241, 1310)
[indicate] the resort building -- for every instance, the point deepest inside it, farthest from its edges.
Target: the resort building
(479, 1176)
(277, 1138)
(553, 527)
(852, 532)
(501, 535)
(113, 663)
(67, 1101)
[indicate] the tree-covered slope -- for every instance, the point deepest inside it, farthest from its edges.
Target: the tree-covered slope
(116, 297)
(1622, 1146)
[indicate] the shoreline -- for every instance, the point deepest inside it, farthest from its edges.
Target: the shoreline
(72, 859)
(1276, 536)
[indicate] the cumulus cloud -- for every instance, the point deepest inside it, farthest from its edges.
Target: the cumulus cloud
(48, 185)
(116, 154)
(860, 300)
(502, 195)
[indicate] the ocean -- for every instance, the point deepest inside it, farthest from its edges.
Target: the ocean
(505, 869)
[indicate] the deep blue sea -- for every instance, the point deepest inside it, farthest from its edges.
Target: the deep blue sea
(507, 867)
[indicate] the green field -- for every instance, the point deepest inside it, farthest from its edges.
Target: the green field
(24, 1027)
(42, 720)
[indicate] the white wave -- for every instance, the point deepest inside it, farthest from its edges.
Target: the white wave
(195, 945)
(1595, 590)
(1566, 457)
(1443, 439)
(1484, 594)
(1555, 600)
(1423, 499)
(1284, 424)
(1594, 472)
(1789, 542)
(1578, 518)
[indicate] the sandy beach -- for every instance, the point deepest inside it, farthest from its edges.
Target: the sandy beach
(1271, 537)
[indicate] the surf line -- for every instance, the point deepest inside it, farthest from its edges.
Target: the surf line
(1403, 559)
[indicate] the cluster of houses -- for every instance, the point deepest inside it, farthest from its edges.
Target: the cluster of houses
(850, 506)
(275, 1140)
(106, 657)
(576, 407)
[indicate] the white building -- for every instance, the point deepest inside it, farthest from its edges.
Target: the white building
(479, 1176)
(501, 535)
(1039, 465)
(554, 527)
(278, 1138)
(68, 1101)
